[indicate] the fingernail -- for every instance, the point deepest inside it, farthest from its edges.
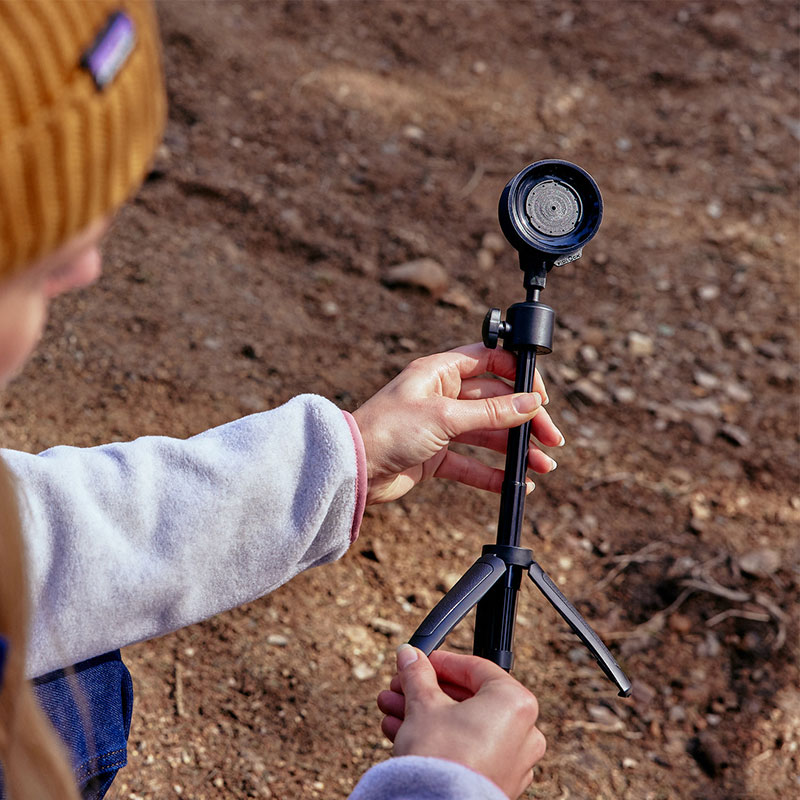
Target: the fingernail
(553, 462)
(529, 487)
(406, 655)
(525, 403)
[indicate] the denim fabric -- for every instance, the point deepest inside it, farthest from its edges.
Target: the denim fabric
(90, 706)
(3, 651)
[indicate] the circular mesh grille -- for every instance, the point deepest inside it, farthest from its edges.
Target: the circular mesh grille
(553, 208)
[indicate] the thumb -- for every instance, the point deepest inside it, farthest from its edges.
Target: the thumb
(494, 413)
(418, 679)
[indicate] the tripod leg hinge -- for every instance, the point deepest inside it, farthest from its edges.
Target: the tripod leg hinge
(519, 556)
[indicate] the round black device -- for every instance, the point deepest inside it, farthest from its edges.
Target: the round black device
(549, 211)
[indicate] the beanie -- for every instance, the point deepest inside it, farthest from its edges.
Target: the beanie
(82, 110)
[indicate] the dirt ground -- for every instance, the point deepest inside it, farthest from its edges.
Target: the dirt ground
(311, 147)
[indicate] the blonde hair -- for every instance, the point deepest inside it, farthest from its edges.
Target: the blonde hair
(35, 764)
(75, 140)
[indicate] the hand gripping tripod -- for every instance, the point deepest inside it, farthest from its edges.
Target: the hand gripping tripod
(548, 212)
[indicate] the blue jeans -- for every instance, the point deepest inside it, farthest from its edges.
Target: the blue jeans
(90, 707)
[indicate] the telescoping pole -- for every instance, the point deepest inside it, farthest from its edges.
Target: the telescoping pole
(527, 331)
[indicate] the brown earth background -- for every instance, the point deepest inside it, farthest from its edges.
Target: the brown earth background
(311, 147)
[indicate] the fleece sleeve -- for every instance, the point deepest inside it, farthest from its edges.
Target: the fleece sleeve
(129, 541)
(420, 778)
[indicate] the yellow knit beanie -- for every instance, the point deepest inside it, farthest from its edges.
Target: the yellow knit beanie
(82, 110)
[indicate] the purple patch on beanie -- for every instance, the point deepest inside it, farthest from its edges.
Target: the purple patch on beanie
(110, 49)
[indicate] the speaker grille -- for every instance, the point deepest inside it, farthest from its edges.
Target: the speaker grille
(553, 208)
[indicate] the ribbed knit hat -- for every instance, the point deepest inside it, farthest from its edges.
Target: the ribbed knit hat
(82, 110)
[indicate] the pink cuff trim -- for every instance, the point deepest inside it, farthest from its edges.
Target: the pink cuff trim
(361, 476)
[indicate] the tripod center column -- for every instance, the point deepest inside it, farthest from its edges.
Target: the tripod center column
(530, 332)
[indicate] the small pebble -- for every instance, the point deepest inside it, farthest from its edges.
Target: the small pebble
(639, 344)
(494, 243)
(708, 293)
(413, 132)
(363, 672)
(485, 259)
(762, 562)
(386, 627)
(624, 395)
(424, 272)
(680, 623)
(677, 714)
(329, 309)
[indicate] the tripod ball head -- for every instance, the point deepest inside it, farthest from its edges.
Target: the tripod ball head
(549, 211)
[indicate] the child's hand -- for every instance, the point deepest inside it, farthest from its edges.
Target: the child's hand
(407, 426)
(465, 709)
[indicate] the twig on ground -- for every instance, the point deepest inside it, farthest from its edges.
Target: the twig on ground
(614, 477)
(659, 487)
(657, 619)
(766, 601)
(780, 617)
(179, 708)
(641, 556)
(303, 81)
(586, 725)
(712, 587)
(756, 616)
(474, 180)
(762, 756)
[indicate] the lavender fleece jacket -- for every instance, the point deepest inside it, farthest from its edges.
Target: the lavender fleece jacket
(130, 541)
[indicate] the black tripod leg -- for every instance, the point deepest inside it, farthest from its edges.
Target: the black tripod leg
(581, 628)
(453, 607)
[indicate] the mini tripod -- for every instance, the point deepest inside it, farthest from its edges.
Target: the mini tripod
(548, 212)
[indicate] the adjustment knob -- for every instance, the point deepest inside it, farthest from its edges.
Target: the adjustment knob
(493, 328)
